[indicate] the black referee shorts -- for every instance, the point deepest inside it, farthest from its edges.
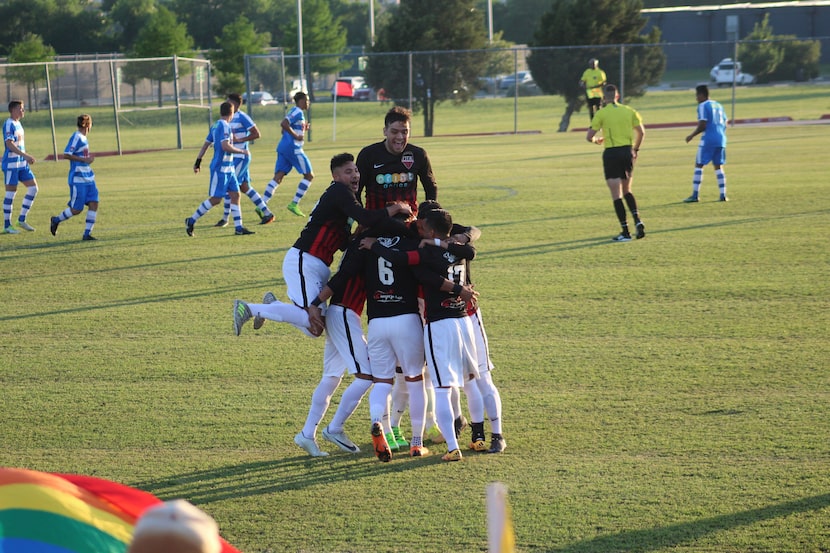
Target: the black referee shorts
(617, 162)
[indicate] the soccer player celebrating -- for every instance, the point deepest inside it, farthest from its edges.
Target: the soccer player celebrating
(389, 170)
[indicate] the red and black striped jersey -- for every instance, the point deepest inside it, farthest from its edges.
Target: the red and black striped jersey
(329, 226)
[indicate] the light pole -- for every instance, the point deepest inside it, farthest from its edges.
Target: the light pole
(300, 42)
(489, 19)
(372, 21)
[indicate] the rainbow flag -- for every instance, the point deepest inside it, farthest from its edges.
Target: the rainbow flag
(66, 513)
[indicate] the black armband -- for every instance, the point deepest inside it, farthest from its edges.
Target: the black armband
(198, 163)
(316, 301)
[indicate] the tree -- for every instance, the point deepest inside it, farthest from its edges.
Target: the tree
(30, 49)
(205, 19)
(770, 57)
(603, 25)
(69, 26)
(451, 58)
(162, 36)
(517, 19)
(128, 17)
(322, 32)
(238, 38)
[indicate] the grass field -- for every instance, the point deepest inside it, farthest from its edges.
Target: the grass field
(668, 394)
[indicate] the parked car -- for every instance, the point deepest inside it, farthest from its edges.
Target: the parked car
(365, 93)
(344, 87)
(723, 73)
(260, 97)
(522, 77)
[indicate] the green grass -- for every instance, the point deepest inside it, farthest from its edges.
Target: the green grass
(669, 394)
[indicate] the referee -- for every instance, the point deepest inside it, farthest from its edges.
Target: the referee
(622, 134)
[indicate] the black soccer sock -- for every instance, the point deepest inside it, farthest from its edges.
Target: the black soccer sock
(620, 209)
(632, 206)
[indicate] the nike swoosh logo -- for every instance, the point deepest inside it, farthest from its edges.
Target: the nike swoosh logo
(376, 166)
(351, 448)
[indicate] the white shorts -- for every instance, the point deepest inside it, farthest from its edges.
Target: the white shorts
(396, 342)
(482, 347)
(345, 343)
(305, 275)
(449, 345)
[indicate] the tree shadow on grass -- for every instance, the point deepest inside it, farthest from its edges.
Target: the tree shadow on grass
(202, 487)
(642, 541)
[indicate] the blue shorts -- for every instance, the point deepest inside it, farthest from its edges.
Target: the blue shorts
(222, 183)
(242, 165)
(81, 195)
(288, 160)
(715, 155)
(15, 176)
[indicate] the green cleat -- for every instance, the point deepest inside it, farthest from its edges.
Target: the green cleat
(295, 209)
(241, 315)
(398, 437)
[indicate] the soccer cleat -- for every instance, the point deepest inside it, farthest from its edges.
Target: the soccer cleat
(497, 444)
(478, 443)
(88, 237)
(460, 424)
(295, 209)
(691, 200)
(622, 237)
(189, 222)
(241, 231)
(723, 198)
(418, 451)
(221, 223)
(53, 225)
(340, 440)
(241, 315)
(433, 435)
(380, 444)
(399, 439)
(267, 219)
(393, 444)
(25, 226)
(641, 230)
(11, 230)
(310, 445)
(454, 455)
(259, 212)
(269, 297)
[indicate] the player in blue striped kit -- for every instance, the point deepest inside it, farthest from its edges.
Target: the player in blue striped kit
(222, 174)
(711, 121)
(16, 169)
(82, 188)
(290, 154)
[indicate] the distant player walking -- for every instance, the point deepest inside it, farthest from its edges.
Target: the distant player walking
(82, 188)
(711, 121)
(16, 169)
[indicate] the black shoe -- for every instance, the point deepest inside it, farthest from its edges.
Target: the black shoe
(723, 198)
(242, 230)
(497, 444)
(53, 225)
(88, 237)
(641, 230)
(221, 223)
(189, 222)
(267, 219)
(622, 237)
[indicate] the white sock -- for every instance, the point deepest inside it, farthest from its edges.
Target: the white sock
(320, 400)
(349, 402)
(445, 416)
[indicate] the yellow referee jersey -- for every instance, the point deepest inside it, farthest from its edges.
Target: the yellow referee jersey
(594, 78)
(617, 122)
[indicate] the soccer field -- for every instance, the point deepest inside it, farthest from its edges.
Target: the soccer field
(667, 394)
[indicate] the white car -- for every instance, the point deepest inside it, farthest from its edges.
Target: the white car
(522, 77)
(723, 73)
(260, 97)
